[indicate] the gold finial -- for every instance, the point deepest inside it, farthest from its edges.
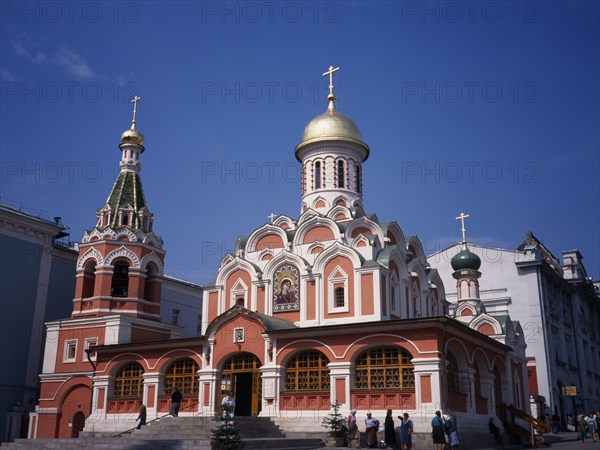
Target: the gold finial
(462, 218)
(134, 101)
(331, 95)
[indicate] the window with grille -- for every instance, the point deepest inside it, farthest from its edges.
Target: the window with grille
(307, 371)
(317, 175)
(339, 300)
(183, 373)
(120, 280)
(129, 381)
(384, 368)
(358, 180)
(340, 174)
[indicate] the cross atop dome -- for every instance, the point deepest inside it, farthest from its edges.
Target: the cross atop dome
(462, 218)
(134, 101)
(331, 95)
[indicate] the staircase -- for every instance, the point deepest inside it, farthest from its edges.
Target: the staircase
(526, 430)
(176, 433)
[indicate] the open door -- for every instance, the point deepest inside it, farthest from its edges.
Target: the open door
(241, 376)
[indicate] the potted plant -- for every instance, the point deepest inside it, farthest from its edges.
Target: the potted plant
(336, 423)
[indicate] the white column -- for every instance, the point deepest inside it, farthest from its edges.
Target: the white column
(152, 379)
(98, 383)
(431, 367)
(272, 386)
(208, 377)
(340, 371)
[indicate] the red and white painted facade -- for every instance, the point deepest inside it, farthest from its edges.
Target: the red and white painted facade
(336, 290)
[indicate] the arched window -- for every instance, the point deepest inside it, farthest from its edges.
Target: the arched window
(477, 382)
(339, 300)
(120, 280)
(89, 279)
(384, 368)
(307, 371)
(129, 381)
(317, 175)
(497, 386)
(358, 180)
(183, 373)
(453, 375)
(151, 285)
(341, 174)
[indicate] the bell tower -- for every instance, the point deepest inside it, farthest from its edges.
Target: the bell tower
(120, 264)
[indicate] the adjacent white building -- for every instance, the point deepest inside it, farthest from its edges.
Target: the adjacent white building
(558, 307)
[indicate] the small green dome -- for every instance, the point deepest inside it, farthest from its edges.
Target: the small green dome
(466, 259)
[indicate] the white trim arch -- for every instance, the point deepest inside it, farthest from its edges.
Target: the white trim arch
(316, 222)
(336, 249)
(465, 306)
(358, 239)
(365, 222)
(125, 232)
(285, 257)
(415, 242)
(318, 199)
(284, 219)
(396, 231)
(152, 257)
(92, 253)
(226, 260)
(122, 252)
(233, 265)
(337, 209)
(265, 231)
(337, 199)
(308, 215)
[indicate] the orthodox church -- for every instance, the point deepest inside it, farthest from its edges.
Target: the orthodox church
(332, 306)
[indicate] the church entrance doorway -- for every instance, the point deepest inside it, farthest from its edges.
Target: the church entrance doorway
(241, 376)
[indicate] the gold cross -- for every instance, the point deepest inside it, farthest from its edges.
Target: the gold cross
(462, 218)
(134, 101)
(330, 73)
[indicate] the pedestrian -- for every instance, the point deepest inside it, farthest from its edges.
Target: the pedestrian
(372, 427)
(555, 421)
(389, 430)
(176, 398)
(142, 415)
(437, 431)
(451, 432)
(353, 434)
(495, 431)
(406, 430)
(591, 420)
(228, 405)
(582, 427)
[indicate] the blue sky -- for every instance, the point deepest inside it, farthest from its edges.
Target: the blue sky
(491, 108)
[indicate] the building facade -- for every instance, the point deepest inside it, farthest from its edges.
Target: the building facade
(559, 309)
(36, 273)
(332, 306)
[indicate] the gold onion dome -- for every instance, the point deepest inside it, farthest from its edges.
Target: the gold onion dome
(331, 124)
(132, 136)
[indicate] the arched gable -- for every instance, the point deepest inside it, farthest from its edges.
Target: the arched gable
(414, 243)
(320, 226)
(125, 233)
(435, 282)
(366, 223)
(285, 257)
(336, 249)
(395, 235)
(233, 265)
(320, 202)
(338, 210)
(122, 252)
(92, 253)
(308, 215)
(465, 309)
(284, 222)
(267, 236)
(485, 319)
